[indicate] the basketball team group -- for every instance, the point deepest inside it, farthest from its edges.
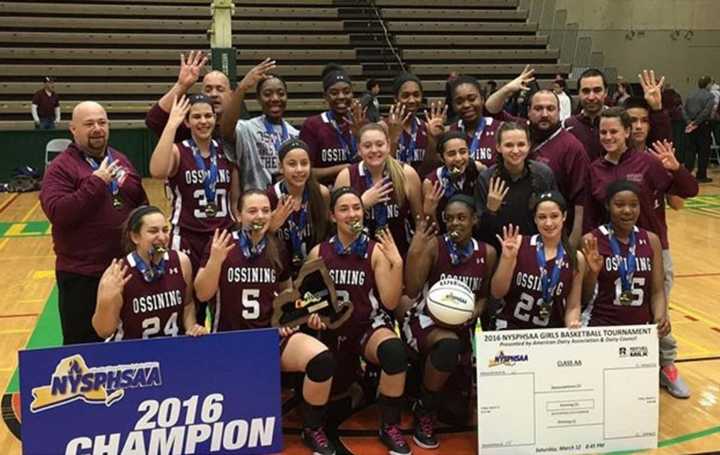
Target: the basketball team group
(536, 224)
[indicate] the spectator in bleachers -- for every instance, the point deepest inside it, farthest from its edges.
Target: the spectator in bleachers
(490, 88)
(697, 113)
(87, 193)
(558, 87)
(45, 106)
(369, 100)
(331, 134)
(258, 140)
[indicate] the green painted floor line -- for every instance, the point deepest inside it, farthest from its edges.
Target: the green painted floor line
(47, 333)
(25, 229)
(689, 437)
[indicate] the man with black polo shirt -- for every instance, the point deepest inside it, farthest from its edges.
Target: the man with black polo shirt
(45, 108)
(555, 147)
(87, 193)
(697, 112)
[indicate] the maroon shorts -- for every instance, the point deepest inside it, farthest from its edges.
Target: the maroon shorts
(418, 326)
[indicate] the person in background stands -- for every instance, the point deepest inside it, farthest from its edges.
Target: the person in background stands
(45, 106)
(558, 87)
(370, 102)
(87, 193)
(697, 113)
(673, 104)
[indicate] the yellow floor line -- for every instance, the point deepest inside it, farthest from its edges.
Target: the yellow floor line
(686, 342)
(3, 242)
(14, 332)
(27, 215)
(695, 314)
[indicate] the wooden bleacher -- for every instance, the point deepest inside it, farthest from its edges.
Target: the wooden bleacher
(125, 54)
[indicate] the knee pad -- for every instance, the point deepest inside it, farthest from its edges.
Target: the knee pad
(321, 367)
(392, 356)
(444, 354)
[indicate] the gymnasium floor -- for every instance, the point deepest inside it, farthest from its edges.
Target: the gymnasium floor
(28, 317)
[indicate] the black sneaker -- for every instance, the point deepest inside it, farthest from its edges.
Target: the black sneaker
(424, 435)
(317, 441)
(392, 437)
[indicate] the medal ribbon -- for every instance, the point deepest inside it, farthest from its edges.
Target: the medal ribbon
(380, 210)
(349, 147)
(475, 144)
(113, 185)
(358, 246)
(626, 265)
(210, 177)
(406, 152)
(451, 186)
(246, 246)
(149, 273)
(458, 255)
(550, 280)
(297, 222)
(270, 129)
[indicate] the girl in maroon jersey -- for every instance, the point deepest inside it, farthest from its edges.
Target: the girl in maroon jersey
(144, 294)
(391, 191)
(624, 266)
(299, 203)
(454, 255)
(331, 134)
(205, 184)
(455, 176)
(370, 274)
(539, 276)
(245, 270)
(410, 136)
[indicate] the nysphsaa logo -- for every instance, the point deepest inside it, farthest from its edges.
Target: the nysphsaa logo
(507, 359)
(74, 380)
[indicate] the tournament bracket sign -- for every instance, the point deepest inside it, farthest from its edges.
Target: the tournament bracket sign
(213, 394)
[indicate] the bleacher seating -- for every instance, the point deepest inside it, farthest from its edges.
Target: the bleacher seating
(125, 53)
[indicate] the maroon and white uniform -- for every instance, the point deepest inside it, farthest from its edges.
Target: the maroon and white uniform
(275, 193)
(606, 309)
(466, 186)
(398, 217)
(153, 309)
(192, 226)
(247, 288)
(484, 149)
(522, 302)
(472, 271)
(354, 280)
(326, 147)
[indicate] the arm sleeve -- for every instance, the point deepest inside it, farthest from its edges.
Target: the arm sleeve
(33, 111)
(64, 204)
(57, 113)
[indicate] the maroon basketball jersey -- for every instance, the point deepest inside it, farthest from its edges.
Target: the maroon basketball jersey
(327, 146)
(522, 302)
(412, 145)
(472, 271)
(465, 185)
(189, 202)
(398, 218)
(152, 309)
(484, 151)
(247, 288)
(355, 281)
(607, 309)
(275, 192)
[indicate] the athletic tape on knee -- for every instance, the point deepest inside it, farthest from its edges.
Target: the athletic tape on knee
(321, 367)
(444, 354)
(392, 356)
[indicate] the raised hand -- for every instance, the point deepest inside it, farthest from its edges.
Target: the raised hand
(286, 205)
(431, 200)
(435, 118)
(107, 170)
(190, 68)
(496, 193)
(379, 192)
(510, 241)
(386, 244)
(179, 110)
(665, 153)
(256, 74)
(222, 243)
(425, 229)
(358, 117)
(592, 257)
(521, 82)
(397, 116)
(115, 278)
(652, 89)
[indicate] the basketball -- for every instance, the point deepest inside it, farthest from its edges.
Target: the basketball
(450, 302)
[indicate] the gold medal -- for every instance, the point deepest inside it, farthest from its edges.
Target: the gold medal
(356, 227)
(257, 226)
(454, 235)
(211, 210)
(117, 202)
(626, 297)
(455, 174)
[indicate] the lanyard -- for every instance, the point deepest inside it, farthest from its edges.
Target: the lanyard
(458, 255)
(297, 223)
(210, 177)
(149, 273)
(550, 280)
(246, 246)
(349, 147)
(358, 246)
(552, 136)
(270, 129)
(113, 185)
(626, 265)
(451, 185)
(407, 150)
(475, 144)
(380, 210)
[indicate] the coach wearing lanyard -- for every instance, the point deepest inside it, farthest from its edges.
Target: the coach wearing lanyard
(87, 193)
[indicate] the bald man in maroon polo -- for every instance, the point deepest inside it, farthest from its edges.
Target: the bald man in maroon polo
(87, 193)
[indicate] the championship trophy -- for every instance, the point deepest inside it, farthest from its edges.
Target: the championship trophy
(313, 292)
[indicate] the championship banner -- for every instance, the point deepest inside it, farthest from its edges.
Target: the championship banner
(212, 394)
(589, 390)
